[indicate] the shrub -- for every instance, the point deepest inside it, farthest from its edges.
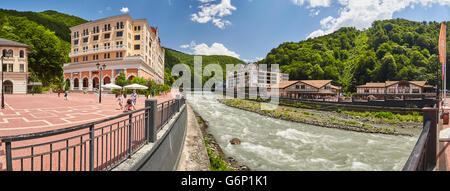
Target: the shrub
(387, 115)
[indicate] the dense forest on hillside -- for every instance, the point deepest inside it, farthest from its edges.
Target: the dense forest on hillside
(174, 57)
(48, 35)
(394, 49)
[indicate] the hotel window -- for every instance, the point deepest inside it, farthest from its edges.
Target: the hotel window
(10, 67)
(95, 57)
(119, 44)
(137, 37)
(415, 91)
(85, 40)
(366, 90)
(119, 55)
(107, 36)
(107, 27)
(22, 68)
(119, 25)
(303, 87)
(75, 42)
(107, 56)
(119, 34)
(22, 54)
(107, 45)
(95, 38)
(137, 47)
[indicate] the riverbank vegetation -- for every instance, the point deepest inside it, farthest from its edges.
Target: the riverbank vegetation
(370, 122)
(387, 117)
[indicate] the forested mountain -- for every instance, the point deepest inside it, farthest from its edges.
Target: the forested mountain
(48, 35)
(174, 57)
(52, 20)
(394, 49)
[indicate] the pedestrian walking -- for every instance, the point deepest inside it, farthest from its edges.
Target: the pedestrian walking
(66, 95)
(120, 100)
(134, 99)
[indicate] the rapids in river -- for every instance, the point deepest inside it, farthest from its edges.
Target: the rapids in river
(278, 145)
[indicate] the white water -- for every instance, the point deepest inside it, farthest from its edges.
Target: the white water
(277, 145)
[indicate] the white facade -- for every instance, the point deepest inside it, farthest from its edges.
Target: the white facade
(251, 75)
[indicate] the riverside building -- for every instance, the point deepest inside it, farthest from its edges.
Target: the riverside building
(321, 90)
(124, 45)
(395, 90)
(15, 66)
(250, 75)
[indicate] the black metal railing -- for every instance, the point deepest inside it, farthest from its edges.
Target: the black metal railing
(95, 146)
(423, 156)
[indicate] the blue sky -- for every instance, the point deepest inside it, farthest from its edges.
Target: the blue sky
(247, 29)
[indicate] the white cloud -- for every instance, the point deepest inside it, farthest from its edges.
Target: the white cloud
(125, 10)
(362, 13)
(313, 3)
(184, 46)
(256, 59)
(214, 49)
(214, 12)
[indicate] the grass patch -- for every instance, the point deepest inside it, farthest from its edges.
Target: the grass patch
(216, 160)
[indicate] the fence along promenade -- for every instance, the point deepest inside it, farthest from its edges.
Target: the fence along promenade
(97, 146)
(424, 154)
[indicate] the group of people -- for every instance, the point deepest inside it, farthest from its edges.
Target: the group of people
(130, 103)
(66, 94)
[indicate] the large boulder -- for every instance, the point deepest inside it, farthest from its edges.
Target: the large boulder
(235, 141)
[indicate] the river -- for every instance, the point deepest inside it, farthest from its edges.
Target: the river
(275, 145)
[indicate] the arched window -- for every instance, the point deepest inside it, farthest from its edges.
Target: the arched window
(76, 83)
(85, 83)
(4, 52)
(106, 80)
(10, 53)
(22, 54)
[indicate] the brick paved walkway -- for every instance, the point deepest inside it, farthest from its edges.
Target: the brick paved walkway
(24, 114)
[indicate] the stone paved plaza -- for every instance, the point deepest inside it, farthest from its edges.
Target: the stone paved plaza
(36, 113)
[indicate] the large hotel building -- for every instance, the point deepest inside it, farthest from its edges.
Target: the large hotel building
(122, 44)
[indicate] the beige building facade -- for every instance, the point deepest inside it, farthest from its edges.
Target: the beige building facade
(395, 90)
(15, 66)
(124, 45)
(309, 90)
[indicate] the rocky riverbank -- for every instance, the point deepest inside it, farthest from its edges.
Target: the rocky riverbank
(328, 119)
(215, 148)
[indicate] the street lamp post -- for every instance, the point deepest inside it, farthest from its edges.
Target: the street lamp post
(101, 68)
(3, 88)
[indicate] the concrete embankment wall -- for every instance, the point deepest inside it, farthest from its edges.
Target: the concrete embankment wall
(328, 106)
(164, 154)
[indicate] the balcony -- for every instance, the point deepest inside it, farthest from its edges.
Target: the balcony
(97, 51)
